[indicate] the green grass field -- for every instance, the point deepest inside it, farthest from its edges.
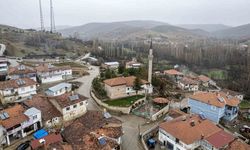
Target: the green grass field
(245, 105)
(124, 102)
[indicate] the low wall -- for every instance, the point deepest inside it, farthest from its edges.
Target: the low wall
(144, 136)
(125, 110)
(160, 113)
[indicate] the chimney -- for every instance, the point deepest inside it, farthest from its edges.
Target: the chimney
(192, 123)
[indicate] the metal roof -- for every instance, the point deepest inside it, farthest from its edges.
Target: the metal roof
(59, 87)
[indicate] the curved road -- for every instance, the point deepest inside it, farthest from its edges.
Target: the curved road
(130, 122)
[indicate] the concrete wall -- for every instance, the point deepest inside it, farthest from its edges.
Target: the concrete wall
(116, 91)
(160, 113)
(125, 110)
(76, 112)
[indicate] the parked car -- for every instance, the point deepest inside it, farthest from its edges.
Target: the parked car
(23, 146)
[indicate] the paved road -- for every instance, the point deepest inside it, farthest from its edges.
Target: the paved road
(130, 122)
(2, 49)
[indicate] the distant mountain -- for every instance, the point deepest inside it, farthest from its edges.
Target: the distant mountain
(60, 27)
(129, 30)
(242, 31)
(205, 27)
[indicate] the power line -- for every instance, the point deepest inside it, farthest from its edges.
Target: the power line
(52, 19)
(41, 16)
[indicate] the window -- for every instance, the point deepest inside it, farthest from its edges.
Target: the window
(81, 103)
(74, 106)
(213, 107)
(68, 108)
(34, 117)
(177, 140)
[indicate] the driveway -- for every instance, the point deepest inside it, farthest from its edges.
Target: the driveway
(130, 124)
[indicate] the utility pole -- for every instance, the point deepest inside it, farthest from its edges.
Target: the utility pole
(52, 19)
(41, 16)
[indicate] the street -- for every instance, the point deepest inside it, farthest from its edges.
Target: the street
(130, 124)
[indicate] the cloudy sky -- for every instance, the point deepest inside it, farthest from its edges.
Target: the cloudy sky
(25, 13)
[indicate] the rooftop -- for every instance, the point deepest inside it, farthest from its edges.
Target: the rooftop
(42, 103)
(92, 126)
(230, 92)
(218, 99)
(21, 69)
(172, 72)
(16, 83)
(220, 139)
(15, 116)
(238, 145)
(128, 81)
(189, 129)
(112, 63)
(49, 67)
(60, 86)
(204, 78)
(68, 99)
(48, 140)
(186, 80)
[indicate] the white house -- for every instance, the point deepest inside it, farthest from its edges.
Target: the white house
(16, 122)
(47, 73)
(50, 115)
(21, 71)
(111, 65)
(70, 105)
(188, 132)
(3, 66)
(13, 90)
(238, 95)
(59, 89)
(133, 64)
(188, 84)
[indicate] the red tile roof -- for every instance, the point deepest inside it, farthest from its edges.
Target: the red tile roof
(14, 83)
(16, 116)
(189, 81)
(185, 132)
(238, 145)
(17, 70)
(204, 78)
(128, 81)
(172, 72)
(220, 139)
(161, 100)
(84, 131)
(42, 103)
(50, 139)
(212, 98)
(64, 100)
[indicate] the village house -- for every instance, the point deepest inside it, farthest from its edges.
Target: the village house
(238, 95)
(133, 64)
(59, 89)
(206, 81)
(18, 89)
(111, 65)
(46, 142)
(192, 131)
(173, 74)
(47, 73)
(51, 117)
(21, 71)
(94, 131)
(3, 67)
(16, 122)
(123, 86)
(70, 105)
(214, 105)
(188, 84)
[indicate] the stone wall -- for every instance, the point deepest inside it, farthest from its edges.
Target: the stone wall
(124, 110)
(160, 113)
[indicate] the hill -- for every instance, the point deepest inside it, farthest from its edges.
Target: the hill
(21, 42)
(129, 30)
(205, 27)
(242, 31)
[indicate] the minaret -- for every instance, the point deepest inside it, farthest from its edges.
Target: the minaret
(150, 62)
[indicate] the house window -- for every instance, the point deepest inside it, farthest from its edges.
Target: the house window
(74, 106)
(68, 108)
(213, 107)
(81, 103)
(177, 140)
(34, 117)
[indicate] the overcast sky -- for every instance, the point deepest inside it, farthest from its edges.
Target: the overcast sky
(25, 13)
